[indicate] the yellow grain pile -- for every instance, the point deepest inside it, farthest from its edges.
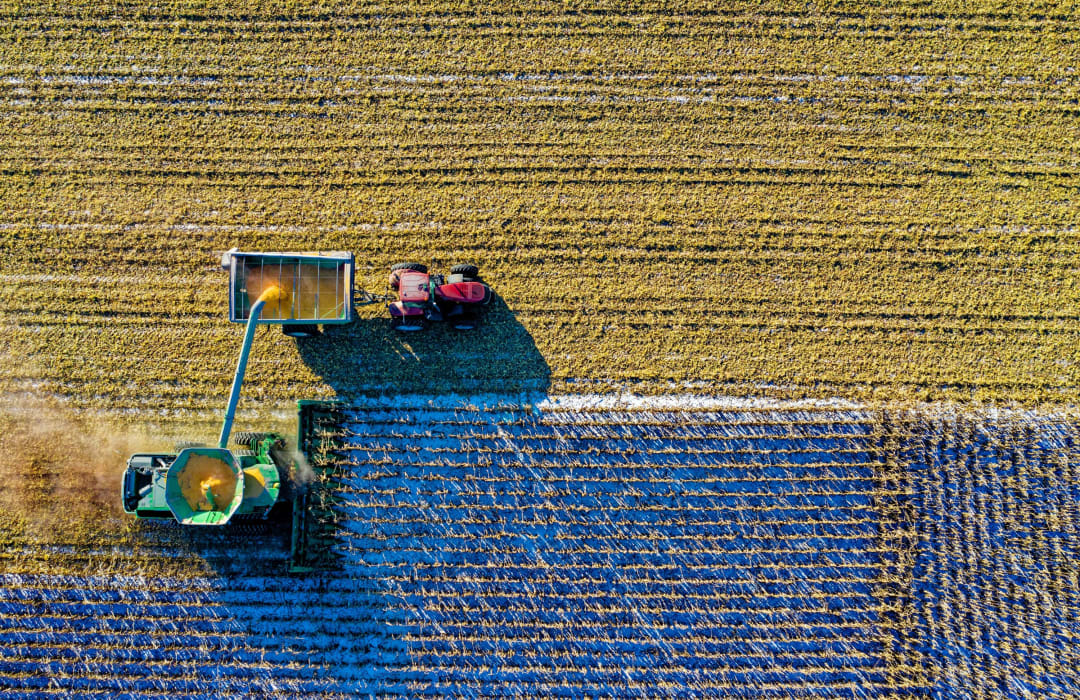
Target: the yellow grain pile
(202, 475)
(308, 291)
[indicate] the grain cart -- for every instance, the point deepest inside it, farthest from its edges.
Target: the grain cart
(315, 288)
(212, 486)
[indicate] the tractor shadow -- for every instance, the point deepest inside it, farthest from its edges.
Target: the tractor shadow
(368, 358)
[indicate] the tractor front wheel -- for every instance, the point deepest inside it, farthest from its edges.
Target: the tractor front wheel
(463, 318)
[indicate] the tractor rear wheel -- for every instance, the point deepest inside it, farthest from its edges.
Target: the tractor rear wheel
(469, 272)
(415, 267)
(406, 324)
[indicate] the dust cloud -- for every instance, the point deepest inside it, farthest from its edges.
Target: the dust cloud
(302, 474)
(294, 466)
(59, 473)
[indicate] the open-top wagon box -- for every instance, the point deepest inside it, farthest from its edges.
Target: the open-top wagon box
(314, 288)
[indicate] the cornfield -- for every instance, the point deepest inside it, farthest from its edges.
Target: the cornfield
(857, 218)
(859, 200)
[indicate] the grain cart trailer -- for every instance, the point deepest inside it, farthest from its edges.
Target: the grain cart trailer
(316, 288)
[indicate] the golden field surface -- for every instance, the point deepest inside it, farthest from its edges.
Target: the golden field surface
(868, 200)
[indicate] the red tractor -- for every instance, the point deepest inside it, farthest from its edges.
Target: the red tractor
(457, 299)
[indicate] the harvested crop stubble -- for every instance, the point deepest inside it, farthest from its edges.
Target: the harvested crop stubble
(59, 471)
(857, 200)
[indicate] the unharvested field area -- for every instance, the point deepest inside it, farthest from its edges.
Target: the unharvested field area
(872, 200)
(583, 545)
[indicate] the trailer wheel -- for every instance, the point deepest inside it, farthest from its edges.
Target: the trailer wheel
(301, 330)
(469, 272)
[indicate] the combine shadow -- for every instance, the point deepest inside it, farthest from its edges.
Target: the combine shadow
(368, 358)
(239, 548)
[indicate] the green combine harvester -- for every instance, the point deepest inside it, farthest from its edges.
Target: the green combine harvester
(215, 486)
(206, 485)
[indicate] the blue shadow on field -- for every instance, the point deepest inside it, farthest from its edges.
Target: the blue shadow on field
(367, 357)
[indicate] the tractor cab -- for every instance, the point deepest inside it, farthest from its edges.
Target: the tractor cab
(414, 287)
